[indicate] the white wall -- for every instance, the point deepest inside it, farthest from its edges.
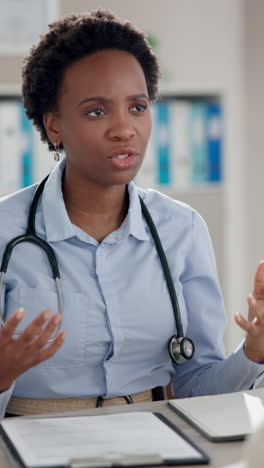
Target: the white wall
(254, 67)
(200, 38)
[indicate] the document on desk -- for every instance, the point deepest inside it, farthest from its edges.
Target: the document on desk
(126, 439)
(230, 416)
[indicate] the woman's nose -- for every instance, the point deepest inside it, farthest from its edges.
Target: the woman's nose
(121, 129)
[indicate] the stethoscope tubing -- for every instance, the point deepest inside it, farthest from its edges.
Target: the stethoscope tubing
(31, 236)
(165, 267)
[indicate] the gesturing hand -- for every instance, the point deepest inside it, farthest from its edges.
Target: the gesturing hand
(21, 352)
(254, 326)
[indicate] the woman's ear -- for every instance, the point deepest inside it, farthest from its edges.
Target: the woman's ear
(50, 121)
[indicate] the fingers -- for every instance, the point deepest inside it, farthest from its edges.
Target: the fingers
(35, 338)
(50, 350)
(32, 346)
(35, 327)
(248, 326)
(259, 282)
(255, 323)
(256, 310)
(48, 331)
(11, 324)
(36, 332)
(36, 335)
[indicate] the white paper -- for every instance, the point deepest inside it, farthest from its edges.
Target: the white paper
(55, 441)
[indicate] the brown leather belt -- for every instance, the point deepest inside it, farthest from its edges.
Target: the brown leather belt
(28, 406)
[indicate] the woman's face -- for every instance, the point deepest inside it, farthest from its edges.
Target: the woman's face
(103, 118)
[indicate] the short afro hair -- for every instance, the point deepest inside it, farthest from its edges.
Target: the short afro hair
(69, 39)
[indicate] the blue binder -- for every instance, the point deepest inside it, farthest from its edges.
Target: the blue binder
(163, 143)
(214, 142)
(27, 150)
(198, 143)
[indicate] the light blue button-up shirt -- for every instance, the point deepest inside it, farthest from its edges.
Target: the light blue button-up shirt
(118, 314)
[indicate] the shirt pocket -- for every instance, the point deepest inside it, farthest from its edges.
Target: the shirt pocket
(34, 300)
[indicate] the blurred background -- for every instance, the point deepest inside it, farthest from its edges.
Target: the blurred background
(206, 146)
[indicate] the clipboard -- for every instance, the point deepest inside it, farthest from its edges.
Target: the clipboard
(11, 432)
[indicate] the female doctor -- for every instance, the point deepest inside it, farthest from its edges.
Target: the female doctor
(101, 333)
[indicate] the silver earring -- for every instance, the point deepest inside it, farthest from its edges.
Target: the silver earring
(56, 153)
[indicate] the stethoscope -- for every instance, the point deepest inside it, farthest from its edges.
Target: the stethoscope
(180, 347)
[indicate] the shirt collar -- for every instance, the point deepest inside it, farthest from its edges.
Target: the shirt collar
(58, 225)
(57, 222)
(135, 219)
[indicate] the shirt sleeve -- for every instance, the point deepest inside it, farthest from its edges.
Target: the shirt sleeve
(6, 395)
(209, 371)
(4, 399)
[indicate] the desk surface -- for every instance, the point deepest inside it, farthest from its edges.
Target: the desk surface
(220, 453)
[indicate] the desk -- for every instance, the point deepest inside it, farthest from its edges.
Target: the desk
(221, 453)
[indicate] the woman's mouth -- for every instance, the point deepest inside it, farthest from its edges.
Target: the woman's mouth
(124, 158)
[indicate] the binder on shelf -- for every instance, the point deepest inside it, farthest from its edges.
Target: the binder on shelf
(214, 141)
(181, 176)
(24, 158)
(229, 416)
(27, 149)
(185, 147)
(198, 143)
(125, 439)
(163, 143)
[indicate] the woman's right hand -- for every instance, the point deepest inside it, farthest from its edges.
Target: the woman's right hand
(21, 352)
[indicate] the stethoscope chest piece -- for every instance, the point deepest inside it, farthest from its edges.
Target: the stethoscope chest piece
(181, 349)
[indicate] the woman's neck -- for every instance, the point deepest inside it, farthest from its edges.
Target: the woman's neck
(97, 210)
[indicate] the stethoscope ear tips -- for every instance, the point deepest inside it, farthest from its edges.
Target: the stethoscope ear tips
(181, 349)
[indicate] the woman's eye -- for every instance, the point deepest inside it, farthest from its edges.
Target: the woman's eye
(95, 113)
(139, 108)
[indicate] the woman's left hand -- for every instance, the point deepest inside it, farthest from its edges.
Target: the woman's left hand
(254, 326)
